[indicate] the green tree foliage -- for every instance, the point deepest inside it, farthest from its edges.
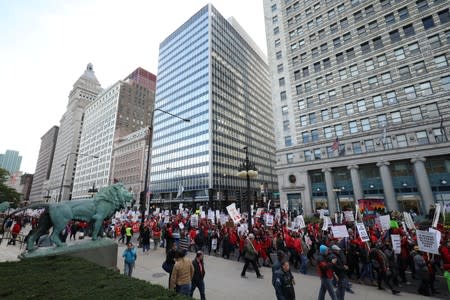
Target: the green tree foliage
(7, 193)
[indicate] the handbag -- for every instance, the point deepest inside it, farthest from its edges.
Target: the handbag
(167, 267)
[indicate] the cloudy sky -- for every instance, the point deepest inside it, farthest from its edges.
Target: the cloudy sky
(45, 46)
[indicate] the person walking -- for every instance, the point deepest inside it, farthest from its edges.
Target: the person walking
(122, 234)
(381, 265)
(422, 272)
(129, 255)
(182, 274)
(284, 282)
(128, 233)
(199, 275)
(250, 256)
(145, 239)
(156, 234)
(15, 232)
(325, 264)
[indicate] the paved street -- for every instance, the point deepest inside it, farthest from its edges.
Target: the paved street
(223, 279)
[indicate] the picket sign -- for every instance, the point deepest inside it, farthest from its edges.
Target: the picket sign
(269, 220)
(385, 222)
(396, 244)
(437, 212)
(408, 220)
(362, 232)
(427, 241)
(348, 215)
(233, 213)
(339, 231)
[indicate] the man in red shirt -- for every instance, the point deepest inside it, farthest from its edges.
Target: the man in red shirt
(14, 232)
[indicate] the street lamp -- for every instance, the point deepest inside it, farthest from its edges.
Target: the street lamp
(150, 138)
(65, 166)
(248, 170)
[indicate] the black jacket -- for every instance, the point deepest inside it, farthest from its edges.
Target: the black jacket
(198, 276)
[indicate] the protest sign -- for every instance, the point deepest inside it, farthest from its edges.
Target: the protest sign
(326, 222)
(234, 214)
(385, 222)
(427, 241)
(437, 212)
(269, 220)
(339, 231)
(301, 221)
(166, 219)
(181, 225)
(223, 219)
(211, 215)
(217, 214)
(362, 232)
(438, 234)
(408, 220)
(194, 220)
(348, 215)
(202, 215)
(259, 211)
(180, 207)
(395, 239)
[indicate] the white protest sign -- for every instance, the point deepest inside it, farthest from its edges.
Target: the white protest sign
(408, 220)
(395, 238)
(211, 215)
(437, 212)
(427, 241)
(194, 220)
(234, 214)
(269, 220)
(259, 212)
(326, 222)
(181, 225)
(321, 213)
(166, 219)
(223, 219)
(202, 214)
(348, 215)
(339, 231)
(336, 218)
(217, 214)
(180, 207)
(385, 222)
(362, 232)
(438, 234)
(301, 221)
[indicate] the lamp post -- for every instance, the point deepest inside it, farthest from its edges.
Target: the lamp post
(150, 138)
(248, 170)
(65, 166)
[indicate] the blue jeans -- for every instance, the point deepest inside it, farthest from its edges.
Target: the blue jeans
(366, 272)
(184, 289)
(128, 268)
(304, 264)
(201, 288)
(326, 285)
(341, 287)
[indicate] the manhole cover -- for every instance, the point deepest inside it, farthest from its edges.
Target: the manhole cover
(158, 275)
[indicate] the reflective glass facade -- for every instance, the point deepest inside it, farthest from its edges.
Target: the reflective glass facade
(210, 74)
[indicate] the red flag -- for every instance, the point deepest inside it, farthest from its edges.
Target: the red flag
(335, 145)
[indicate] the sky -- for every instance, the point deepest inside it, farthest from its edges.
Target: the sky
(45, 46)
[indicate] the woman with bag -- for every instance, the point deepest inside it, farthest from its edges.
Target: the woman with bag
(250, 255)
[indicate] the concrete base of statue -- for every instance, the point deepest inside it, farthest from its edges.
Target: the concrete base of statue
(102, 252)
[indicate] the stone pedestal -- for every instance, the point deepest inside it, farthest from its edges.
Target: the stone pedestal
(102, 252)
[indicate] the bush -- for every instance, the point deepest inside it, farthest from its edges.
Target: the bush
(63, 277)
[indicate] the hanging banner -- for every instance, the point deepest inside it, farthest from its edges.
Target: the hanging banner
(362, 232)
(234, 214)
(348, 215)
(395, 239)
(437, 212)
(385, 222)
(408, 220)
(339, 231)
(427, 241)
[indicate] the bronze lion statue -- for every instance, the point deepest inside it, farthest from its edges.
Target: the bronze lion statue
(92, 210)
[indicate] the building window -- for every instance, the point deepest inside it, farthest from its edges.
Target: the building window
(341, 8)
(347, 37)
(319, 81)
(445, 82)
(369, 10)
(328, 132)
(438, 136)
(416, 113)
(286, 125)
(414, 48)
(287, 141)
(387, 143)
(353, 126)
(357, 87)
(317, 67)
(338, 130)
(305, 137)
(303, 120)
(340, 58)
(279, 55)
(399, 53)
(332, 95)
(444, 16)
(324, 114)
(301, 104)
(349, 108)
(315, 135)
(308, 86)
(373, 25)
(344, 23)
(409, 30)
(377, 101)
(369, 64)
(297, 75)
(312, 118)
(389, 19)
(410, 92)
(358, 16)
(361, 105)
(382, 121)
(386, 78)
(391, 98)
(305, 72)
(373, 81)
(382, 60)
(322, 97)
(403, 13)
(394, 36)
(326, 63)
(432, 110)
(346, 90)
(441, 61)
(317, 154)
(275, 19)
(377, 43)
(337, 42)
(421, 5)
(422, 137)
(290, 158)
(365, 124)
(277, 42)
(365, 47)
(361, 30)
(281, 81)
(354, 70)
(308, 155)
(334, 28)
(434, 41)
(356, 147)
(426, 89)
(335, 112)
(323, 48)
(274, 7)
(396, 117)
(298, 89)
(343, 74)
(404, 72)
(370, 146)
(284, 110)
(276, 30)
(428, 22)
(309, 102)
(331, 14)
(283, 95)
(401, 141)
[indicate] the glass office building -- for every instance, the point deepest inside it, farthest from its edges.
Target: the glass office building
(211, 73)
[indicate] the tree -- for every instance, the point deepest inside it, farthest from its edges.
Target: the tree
(7, 193)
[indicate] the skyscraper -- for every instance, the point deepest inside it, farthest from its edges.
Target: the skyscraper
(44, 164)
(212, 73)
(84, 92)
(10, 161)
(361, 98)
(121, 109)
